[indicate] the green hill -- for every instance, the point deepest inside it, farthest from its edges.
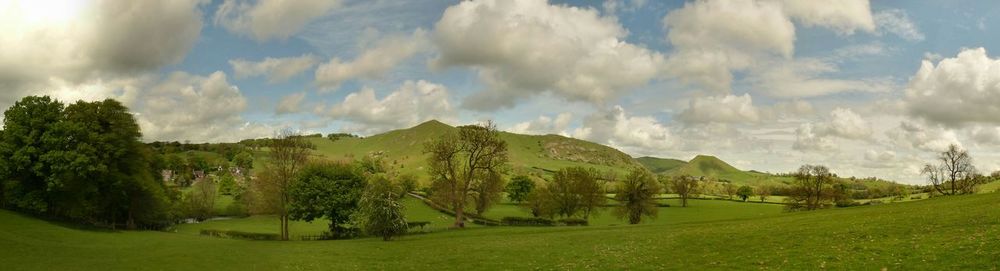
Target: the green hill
(538, 153)
(659, 165)
(943, 233)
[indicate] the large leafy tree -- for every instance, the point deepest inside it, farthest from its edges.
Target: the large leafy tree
(461, 162)
(288, 154)
(84, 162)
(576, 190)
(326, 190)
(26, 179)
(380, 213)
(637, 195)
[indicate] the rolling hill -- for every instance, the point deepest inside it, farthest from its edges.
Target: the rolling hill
(659, 165)
(528, 153)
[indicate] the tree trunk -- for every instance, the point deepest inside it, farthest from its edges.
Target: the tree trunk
(460, 216)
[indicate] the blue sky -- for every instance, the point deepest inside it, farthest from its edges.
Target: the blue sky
(867, 88)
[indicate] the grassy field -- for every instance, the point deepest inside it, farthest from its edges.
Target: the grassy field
(944, 233)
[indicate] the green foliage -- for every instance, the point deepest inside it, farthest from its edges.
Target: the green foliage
(83, 162)
(745, 192)
(380, 213)
(326, 190)
(519, 188)
(228, 185)
(574, 190)
(637, 193)
(199, 202)
(244, 161)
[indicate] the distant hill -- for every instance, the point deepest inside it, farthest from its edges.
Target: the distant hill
(659, 165)
(528, 153)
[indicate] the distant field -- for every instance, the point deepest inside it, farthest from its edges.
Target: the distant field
(943, 233)
(697, 211)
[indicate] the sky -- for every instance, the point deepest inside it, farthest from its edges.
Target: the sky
(865, 88)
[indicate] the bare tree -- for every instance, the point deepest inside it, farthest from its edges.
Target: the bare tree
(763, 192)
(685, 186)
(288, 154)
(954, 174)
(459, 163)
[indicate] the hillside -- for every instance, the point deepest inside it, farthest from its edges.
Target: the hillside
(944, 233)
(531, 153)
(659, 165)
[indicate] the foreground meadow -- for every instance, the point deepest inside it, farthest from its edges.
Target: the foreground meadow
(947, 233)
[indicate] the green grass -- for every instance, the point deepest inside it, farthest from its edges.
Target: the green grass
(659, 165)
(528, 153)
(944, 233)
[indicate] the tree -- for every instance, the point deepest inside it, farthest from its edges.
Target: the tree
(763, 192)
(684, 186)
(458, 162)
(200, 201)
(744, 192)
(540, 202)
(326, 190)
(809, 189)
(954, 173)
(244, 162)
(379, 213)
(83, 162)
(288, 154)
(637, 195)
(730, 190)
(576, 190)
(519, 188)
(24, 176)
(487, 192)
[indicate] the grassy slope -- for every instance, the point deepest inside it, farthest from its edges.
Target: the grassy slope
(945, 233)
(659, 165)
(527, 152)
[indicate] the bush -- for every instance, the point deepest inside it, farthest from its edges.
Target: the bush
(574, 222)
(527, 221)
(241, 235)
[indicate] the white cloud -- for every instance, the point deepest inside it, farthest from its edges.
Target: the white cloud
(632, 134)
(920, 136)
(807, 139)
(544, 125)
(410, 104)
(897, 22)
(84, 42)
(957, 91)
(523, 47)
(842, 123)
(712, 38)
(804, 78)
(291, 103)
(270, 19)
(843, 17)
(275, 69)
(197, 108)
(386, 54)
(721, 109)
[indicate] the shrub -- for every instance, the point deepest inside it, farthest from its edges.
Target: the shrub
(240, 235)
(527, 221)
(574, 221)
